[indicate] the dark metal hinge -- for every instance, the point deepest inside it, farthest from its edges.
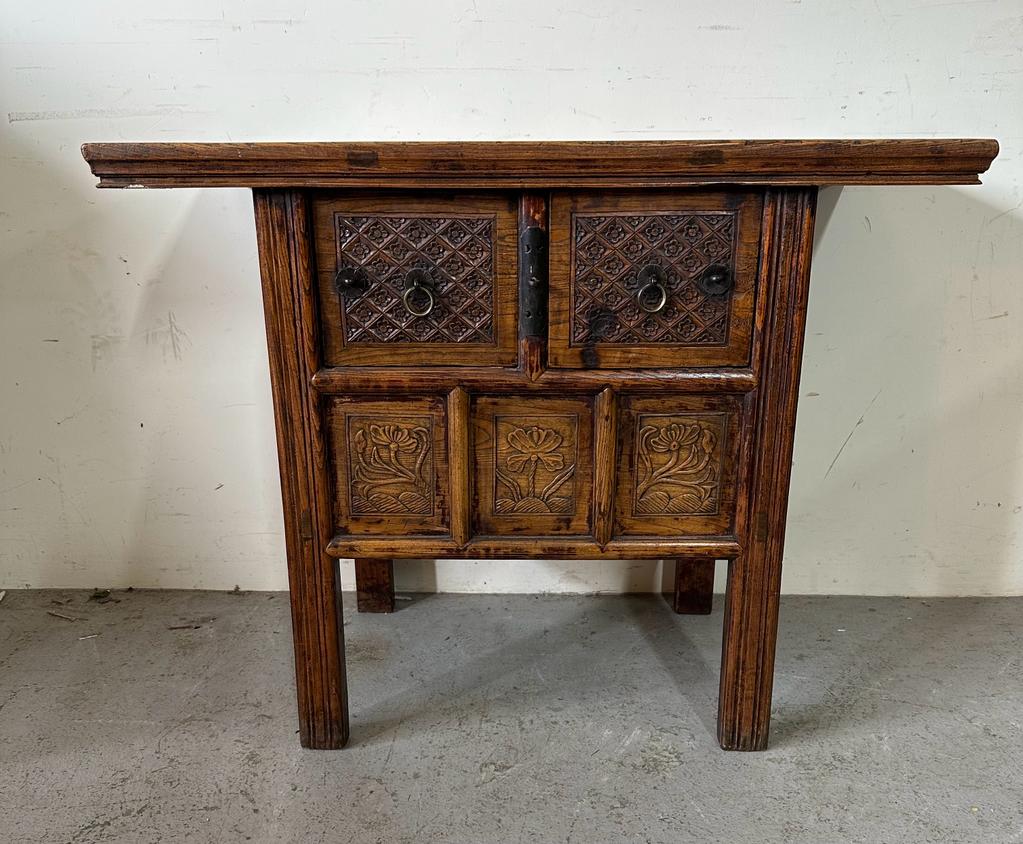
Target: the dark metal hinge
(533, 282)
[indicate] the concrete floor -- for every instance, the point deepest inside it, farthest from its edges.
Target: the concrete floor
(504, 719)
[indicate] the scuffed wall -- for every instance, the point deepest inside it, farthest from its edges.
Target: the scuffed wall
(136, 434)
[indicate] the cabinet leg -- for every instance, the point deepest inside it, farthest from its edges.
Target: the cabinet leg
(320, 675)
(754, 577)
(282, 229)
(374, 585)
(694, 587)
(747, 657)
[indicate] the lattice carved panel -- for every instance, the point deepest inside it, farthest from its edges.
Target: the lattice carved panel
(610, 250)
(457, 251)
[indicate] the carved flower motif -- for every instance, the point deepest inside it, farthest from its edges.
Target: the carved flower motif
(456, 233)
(435, 250)
(654, 231)
(613, 265)
(614, 233)
(675, 437)
(533, 445)
(417, 232)
(473, 250)
(612, 297)
(378, 233)
(393, 437)
(633, 249)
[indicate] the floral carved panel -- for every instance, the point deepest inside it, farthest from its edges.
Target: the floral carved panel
(535, 464)
(391, 468)
(456, 252)
(610, 250)
(678, 464)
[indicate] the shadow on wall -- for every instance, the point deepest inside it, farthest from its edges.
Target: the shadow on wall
(906, 476)
(213, 483)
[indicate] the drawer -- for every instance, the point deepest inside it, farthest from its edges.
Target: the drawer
(533, 465)
(656, 279)
(417, 279)
(677, 460)
(390, 466)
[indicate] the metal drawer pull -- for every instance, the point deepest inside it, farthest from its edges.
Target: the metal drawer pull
(418, 296)
(351, 282)
(716, 280)
(652, 295)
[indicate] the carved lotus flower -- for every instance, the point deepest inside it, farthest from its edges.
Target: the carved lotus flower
(393, 437)
(533, 445)
(675, 437)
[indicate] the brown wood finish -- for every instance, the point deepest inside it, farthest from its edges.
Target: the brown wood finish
(374, 585)
(465, 243)
(508, 547)
(529, 378)
(458, 450)
(605, 464)
(694, 587)
(390, 460)
(754, 577)
(468, 434)
(677, 465)
(543, 164)
(600, 243)
(533, 466)
(289, 303)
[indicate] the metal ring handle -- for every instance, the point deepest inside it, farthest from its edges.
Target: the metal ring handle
(659, 303)
(406, 299)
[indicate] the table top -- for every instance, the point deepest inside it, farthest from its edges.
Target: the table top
(542, 164)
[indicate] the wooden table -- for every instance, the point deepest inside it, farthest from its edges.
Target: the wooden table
(546, 350)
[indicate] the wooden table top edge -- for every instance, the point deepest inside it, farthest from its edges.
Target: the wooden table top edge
(542, 164)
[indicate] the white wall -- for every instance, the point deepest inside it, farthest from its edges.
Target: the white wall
(136, 437)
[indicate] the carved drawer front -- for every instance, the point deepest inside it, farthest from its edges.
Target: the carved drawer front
(533, 471)
(417, 280)
(653, 279)
(677, 465)
(390, 466)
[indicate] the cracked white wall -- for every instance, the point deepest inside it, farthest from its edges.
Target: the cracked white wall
(136, 436)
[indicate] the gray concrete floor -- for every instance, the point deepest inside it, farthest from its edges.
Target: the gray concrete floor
(503, 719)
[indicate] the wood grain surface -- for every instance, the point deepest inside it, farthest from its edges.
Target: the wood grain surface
(542, 164)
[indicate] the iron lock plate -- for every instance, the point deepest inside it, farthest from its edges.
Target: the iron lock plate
(533, 282)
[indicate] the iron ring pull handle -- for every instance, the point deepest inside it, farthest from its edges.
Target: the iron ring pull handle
(652, 295)
(418, 285)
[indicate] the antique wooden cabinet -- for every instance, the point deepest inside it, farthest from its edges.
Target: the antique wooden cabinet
(564, 350)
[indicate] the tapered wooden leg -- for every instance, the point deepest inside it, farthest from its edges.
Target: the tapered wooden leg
(374, 585)
(694, 587)
(754, 578)
(747, 658)
(289, 305)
